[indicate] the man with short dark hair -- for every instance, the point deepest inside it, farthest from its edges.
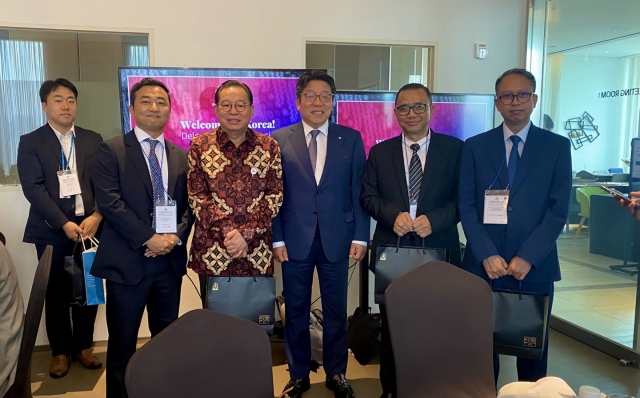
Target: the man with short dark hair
(141, 189)
(320, 225)
(410, 188)
(525, 172)
(235, 198)
(55, 164)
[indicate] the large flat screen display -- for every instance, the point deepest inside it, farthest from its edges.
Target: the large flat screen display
(371, 113)
(192, 98)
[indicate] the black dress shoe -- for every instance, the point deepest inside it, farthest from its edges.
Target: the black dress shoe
(295, 387)
(340, 387)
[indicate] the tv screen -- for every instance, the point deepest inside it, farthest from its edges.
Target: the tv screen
(192, 98)
(371, 113)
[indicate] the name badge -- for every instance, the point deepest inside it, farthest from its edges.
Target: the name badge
(69, 184)
(166, 216)
(495, 206)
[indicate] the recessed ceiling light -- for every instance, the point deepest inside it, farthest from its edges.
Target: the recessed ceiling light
(606, 52)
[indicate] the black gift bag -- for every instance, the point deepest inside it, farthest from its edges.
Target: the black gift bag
(519, 322)
(391, 262)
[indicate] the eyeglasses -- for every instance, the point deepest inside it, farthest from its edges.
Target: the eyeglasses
(324, 97)
(508, 98)
(226, 106)
(418, 109)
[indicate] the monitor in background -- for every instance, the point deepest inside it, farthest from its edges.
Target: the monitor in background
(371, 113)
(192, 98)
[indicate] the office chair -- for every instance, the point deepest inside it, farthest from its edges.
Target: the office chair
(441, 326)
(582, 196)
(21, 387)
(203, 354)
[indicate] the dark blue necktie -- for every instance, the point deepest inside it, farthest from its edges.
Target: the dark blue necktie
(514, 158)
(156, 175)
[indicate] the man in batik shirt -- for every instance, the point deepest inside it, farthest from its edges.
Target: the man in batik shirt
(235, 189)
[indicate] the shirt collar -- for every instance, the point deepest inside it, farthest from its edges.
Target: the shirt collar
(59, 134)
(324, 129)
(422, 142)
(522, 134)
(223, 138)
(141, 135)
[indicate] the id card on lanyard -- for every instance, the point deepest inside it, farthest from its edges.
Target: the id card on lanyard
(67, 179)
(496, 202)
(166, 215)
(165, 210)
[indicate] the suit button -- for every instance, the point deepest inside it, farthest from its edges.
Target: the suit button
(509, 208)
(315, 213)
(73, 206)
(317, 192)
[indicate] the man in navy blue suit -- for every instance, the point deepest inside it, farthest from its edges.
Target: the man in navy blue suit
(518, 243)
(320, 225)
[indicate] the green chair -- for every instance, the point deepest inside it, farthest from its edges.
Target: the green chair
(582, 196)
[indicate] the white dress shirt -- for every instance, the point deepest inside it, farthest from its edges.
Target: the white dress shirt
(160, 153)
(65, 142)
(321, 139)
(508, 144)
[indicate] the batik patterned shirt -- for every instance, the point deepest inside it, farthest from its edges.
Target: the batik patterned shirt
(233, 188)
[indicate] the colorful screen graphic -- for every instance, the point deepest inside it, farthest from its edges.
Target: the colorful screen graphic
(459, 115)
(192, 98)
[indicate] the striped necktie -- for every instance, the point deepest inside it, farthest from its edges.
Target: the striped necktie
(156, 175)
(415, 175)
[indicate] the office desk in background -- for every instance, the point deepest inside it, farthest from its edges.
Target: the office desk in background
(614, 233)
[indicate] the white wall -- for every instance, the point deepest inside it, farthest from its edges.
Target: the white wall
(260, 34)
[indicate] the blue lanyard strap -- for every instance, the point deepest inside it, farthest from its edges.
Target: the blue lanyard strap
(498, 175)
(65, 163)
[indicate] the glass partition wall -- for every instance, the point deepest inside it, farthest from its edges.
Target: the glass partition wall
(586, 57)
(89, 60)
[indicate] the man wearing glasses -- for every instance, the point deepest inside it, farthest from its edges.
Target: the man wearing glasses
(409, 187)
(235, 189)
(531, 168)
(320, 225)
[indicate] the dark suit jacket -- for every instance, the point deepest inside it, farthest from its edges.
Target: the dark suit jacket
(385, 193)
(38, 164)
(124, 196)
(332, 204)
(538, 201)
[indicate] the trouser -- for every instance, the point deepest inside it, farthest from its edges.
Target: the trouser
(68, 334)
(159, 291)
(297, 278)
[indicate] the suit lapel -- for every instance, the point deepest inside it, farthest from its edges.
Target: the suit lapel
(134, 151)
(299, 144)
(532, 147)
(334, 145)
(81, 152)
(398, 165)
(497, 153)
(173, 165)
(433, 157)
(52, 142)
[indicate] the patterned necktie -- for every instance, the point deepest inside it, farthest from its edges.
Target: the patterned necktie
(514, 158)
(313, 149)
(415, 175)
(156, 175)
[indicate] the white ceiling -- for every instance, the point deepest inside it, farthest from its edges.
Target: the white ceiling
(592, 27)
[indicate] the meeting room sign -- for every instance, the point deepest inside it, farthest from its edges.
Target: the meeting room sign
(619, 93)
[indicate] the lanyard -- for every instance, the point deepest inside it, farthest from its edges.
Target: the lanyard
(65, 163)
(499, 170)
(161, 163)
